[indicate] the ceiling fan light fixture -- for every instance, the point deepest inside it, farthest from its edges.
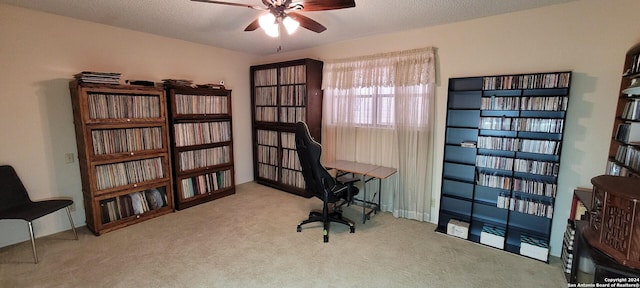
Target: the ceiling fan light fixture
(269, 24)
(290, 24)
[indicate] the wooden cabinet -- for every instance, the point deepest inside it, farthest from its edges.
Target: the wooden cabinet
(624, 151)
(501, 158)
(201, 143)
(123, 152)
(282, 94)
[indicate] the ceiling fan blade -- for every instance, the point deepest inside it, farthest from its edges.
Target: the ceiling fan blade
(252, 26)
(307, 22)
(321, 5)
(231, 4)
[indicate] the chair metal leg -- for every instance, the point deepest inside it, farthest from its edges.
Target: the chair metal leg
(73, 227)
(33, 242)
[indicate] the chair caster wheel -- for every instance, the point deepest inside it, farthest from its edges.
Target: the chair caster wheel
(299, 229)
(326, 239)
(352, 229)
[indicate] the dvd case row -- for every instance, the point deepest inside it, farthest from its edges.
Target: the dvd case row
(550, 147)
(538, 103)
(526, 205)
(533, 81)
(542, 125)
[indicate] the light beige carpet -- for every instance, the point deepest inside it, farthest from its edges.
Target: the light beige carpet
(249, 240)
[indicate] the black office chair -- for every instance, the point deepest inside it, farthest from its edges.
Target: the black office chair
(16, 204)
(321, 184)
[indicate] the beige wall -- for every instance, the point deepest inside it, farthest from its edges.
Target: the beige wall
(588, 37)
(40, 52)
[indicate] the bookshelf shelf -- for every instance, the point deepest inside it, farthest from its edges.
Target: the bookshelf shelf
(202, 144)
(502, 157)
(122, 139)
(282, 94)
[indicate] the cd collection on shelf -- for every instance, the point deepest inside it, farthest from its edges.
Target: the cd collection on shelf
(205, 183)
(199, 133)
(120, 140)
(525, 205)
(531, 81)
(135, 203)
(113, 106)
(129, 172)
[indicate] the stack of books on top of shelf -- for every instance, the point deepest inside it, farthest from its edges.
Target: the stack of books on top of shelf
(98, 77)
(534, 248)
(178, 82)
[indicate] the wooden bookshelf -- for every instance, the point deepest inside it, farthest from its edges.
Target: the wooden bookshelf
(502, 157)
(201, 144)
(122, 139)
(624, 150)
(282, 94)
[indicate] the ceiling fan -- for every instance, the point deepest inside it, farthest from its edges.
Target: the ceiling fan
(286, 12)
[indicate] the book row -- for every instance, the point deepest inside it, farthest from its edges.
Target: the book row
(126, 140)
(292, 114)
(629, 156)
(288, 140)
(116, 106)
(130, 172)
(522, 124)
(266, 114)
(205, 183)
(294, 95)
(265, 77)
(135, 203)
(293, 74)
(523, 145)
(631, 110)
(527, 206)
(293, 178)
(635, 64)
(187, 134)
(267, 154)
(201, 104)
(628, 133)
(267, 137)
(290, 159)
(268, 171)
(521, 165)
(194, 159)
(533, 81)
(550, 103)
(266, 96)
(616, 169)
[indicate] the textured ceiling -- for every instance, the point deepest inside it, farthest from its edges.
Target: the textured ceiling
(222, 26)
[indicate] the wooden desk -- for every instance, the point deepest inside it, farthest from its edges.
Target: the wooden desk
(367, 173)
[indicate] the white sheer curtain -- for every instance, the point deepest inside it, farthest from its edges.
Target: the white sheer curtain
(377, 109)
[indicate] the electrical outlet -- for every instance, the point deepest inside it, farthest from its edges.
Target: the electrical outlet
(69, 158)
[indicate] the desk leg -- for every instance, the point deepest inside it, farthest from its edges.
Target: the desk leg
(377, 208)
(364, 197)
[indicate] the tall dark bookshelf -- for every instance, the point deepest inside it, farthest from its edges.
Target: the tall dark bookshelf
(501, 159)
(281, 94)
(201, 144)
(624, 150)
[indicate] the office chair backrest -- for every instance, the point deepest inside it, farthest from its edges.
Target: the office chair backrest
(309, 152)
(12, 192)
